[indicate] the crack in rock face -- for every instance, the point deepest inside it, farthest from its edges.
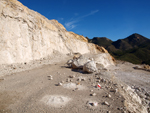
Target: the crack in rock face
(55, 100)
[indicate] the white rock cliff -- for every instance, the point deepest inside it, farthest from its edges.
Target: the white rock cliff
(25, 35)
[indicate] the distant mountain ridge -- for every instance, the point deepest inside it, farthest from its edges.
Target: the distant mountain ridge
(131, 41)
(135, 48)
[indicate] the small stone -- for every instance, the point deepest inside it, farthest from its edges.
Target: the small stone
(132, 87)
(106, 103)
(116, 85)
(103, 80)
(99, 81)
(118, 108)
(94, 94)
(124, 111)
(78, 83)
(91, 90)
(114, 90)
(62, 81)
(59, 84)
(91, 59)
(109, 96)
(108, 111)
(50, 78)
(78, 79)
(71, 76)
(94, 104)
(14, 67)
(82, 79)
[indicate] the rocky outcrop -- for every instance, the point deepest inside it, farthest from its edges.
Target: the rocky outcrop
(25, 35)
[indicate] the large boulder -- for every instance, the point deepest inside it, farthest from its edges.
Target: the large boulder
(90, 67)
(104, 59)
(78, 63)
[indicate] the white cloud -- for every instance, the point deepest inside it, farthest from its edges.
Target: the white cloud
(91, 13)
(73, 22)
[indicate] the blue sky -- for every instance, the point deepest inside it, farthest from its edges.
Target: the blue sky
(114, 19)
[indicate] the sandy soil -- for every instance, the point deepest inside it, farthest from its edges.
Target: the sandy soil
(32, 91)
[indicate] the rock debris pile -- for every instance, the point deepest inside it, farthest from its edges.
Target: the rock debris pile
(88, 64)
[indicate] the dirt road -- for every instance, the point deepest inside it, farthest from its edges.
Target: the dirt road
(33, 92)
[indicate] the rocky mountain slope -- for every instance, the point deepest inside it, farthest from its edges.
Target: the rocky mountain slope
(135, 48)
(25, 35)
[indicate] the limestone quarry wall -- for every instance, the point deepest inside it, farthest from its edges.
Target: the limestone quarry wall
(26, 35)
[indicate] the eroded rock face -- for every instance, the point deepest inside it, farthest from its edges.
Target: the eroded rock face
(26, 35)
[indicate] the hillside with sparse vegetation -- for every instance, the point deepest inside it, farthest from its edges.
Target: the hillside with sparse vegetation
(135, 48)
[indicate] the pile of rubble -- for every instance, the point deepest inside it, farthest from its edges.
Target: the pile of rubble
(88, 64)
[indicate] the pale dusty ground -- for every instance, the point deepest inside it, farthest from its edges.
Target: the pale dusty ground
(32, 91)
(125, 72)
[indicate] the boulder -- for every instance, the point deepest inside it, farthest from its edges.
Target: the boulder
(104, 59)
(78, 63)
(90, 67)
(69, 62)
